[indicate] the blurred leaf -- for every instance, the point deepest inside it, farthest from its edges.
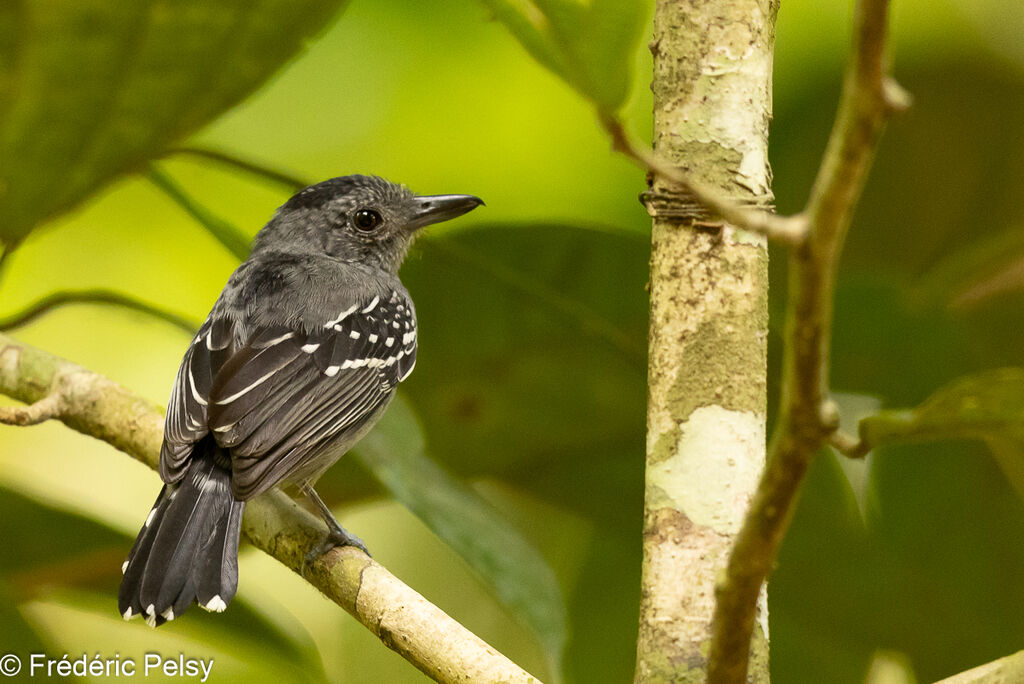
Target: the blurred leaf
(890, 667)
(48, 550)
(988, 406)
(81, 622)
(976, 273)
(947, 536)
(102, 86)
(36, 536)
(531, 369)
(513, 569)
(590, 45)
(18, 635)
(532, 359)
(852, 408)
(1000, 23)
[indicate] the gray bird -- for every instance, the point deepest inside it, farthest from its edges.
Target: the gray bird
(298, 359)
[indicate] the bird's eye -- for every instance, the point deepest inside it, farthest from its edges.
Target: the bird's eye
(366, 219)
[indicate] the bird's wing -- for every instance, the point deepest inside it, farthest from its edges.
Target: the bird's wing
(286, 395)
(186, 420)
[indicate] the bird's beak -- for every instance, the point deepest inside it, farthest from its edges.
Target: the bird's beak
(436, 208)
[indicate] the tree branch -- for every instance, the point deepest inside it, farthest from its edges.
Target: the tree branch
(785, 229)
(707, 351)
(402, 619)
(63, 298)
(868, 98)
(46, 408)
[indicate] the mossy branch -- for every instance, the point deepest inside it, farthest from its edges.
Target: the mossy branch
(406, 622)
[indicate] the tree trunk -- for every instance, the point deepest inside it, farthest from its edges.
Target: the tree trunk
(709, 324)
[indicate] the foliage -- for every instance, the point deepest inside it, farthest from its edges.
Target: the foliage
(102, 86)
(530, 386)
(590, 45)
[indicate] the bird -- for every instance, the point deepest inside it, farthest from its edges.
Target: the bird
(297, 360)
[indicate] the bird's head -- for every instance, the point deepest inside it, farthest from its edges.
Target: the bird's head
(363, 219)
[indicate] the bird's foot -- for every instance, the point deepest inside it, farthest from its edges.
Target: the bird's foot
(338, 537)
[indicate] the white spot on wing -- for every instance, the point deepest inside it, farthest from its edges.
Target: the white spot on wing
(332, 371)
(149, 520)
(373, 337)
(388, 342)
(354, 335)
(341, 316)
(124, 569)
(310, 348)
(168, 614)
(369, 307)
(128, 614)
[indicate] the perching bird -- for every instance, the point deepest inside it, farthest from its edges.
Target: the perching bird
(297, 360)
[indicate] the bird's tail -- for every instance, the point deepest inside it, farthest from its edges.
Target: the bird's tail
(188, 548)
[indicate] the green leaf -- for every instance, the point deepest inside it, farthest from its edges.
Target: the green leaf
(50, 551)
(19, 636)
(532, 359)
(79, 622)
(513, 569)
(589, 44)
(987, 406)
(91, 89)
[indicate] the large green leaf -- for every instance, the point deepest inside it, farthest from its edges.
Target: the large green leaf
(513, 569)
(532, 358)
(92, 88)
(531, 370)
(987, 406)
(48, 550)
(590, 44)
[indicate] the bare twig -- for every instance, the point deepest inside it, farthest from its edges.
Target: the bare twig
(786, 229)
(46, 408)
(291, 181)
(868, 98)
(402, 619)
(848, 445)
(226, 233)
(63, 298)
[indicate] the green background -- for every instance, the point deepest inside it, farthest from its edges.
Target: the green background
(530, 382)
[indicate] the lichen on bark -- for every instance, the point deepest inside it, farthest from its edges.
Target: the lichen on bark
(708, 326)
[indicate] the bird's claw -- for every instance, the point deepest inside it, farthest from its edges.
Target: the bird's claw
(334, 538)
